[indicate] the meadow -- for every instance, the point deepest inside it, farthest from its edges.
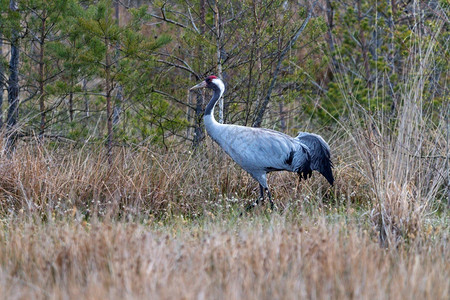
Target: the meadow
(145, 208)
(167, 225)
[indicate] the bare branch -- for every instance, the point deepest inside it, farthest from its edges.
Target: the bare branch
(258, 120)
(173, 98)
(188, 69)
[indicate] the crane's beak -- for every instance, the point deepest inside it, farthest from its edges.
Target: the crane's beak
(201, 85)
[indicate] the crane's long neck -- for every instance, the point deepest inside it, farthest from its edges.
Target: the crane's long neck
(209, 111)
(212, 126)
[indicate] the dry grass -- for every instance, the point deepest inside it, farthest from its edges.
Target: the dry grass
(249, 258)
(140, 182)
(166, 225)
(403, 155)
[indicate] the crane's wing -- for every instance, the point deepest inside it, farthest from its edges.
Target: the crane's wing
(320, 154)
(261, 150)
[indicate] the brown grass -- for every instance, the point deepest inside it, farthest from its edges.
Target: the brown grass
(140, 182)
(403, 155)
(252, 258)
(165, 224)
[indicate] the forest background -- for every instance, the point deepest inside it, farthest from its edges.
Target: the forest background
(100, 134)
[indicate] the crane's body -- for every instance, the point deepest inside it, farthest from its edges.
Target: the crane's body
(260, 151)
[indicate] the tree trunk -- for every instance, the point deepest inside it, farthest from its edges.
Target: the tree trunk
(249, 85)
(260, 113)
(117, 111)
(86, 98)
(2, 84)
(42, 79)
(329, 39)
(188, 116)
(119, 95)
(219, 58)
(282, 117)
(71, 105)
(447, 161)
(13, 88)
(199, 131)
(391, 59)
(364, 50)
(108, 87)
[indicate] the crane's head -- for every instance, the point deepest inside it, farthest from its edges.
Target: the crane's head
(211, 82)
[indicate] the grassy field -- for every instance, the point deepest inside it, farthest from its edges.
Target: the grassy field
(262, 256)
(167, 226)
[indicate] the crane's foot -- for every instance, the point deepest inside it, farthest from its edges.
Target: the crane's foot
(272, 206)
(248, 208)
(251, 206)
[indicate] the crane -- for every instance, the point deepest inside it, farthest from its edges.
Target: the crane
(260, 151)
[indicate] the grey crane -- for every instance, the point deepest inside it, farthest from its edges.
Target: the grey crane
(260, 151)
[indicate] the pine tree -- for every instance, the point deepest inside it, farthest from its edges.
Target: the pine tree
(13, 81)
(115, 54)
(43, 19)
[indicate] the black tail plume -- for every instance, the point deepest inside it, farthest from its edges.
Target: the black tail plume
(320, 154)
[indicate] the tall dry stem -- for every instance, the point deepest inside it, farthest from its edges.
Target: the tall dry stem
(402, 157)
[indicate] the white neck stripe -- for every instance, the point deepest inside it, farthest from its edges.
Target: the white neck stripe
(220, 85)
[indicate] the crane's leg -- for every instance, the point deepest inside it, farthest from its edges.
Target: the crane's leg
(261, 198)
(264, 187)
(261, 191)
(256, 203)
(261, 194)
(262, 180)
(272, 205)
